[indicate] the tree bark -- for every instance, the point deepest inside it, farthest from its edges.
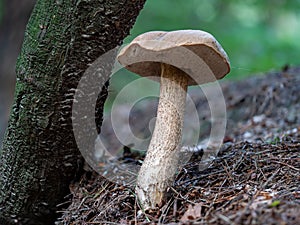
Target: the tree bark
(12, 25)
(39, 157)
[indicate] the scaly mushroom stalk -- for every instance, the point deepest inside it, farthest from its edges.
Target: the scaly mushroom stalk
(161, 162)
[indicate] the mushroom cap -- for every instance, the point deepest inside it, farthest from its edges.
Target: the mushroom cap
(188, 50)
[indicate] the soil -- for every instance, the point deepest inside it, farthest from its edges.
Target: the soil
(254, 179)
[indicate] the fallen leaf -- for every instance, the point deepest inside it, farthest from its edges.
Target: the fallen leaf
(192, 213)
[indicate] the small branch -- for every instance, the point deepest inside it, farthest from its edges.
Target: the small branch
(285, 164)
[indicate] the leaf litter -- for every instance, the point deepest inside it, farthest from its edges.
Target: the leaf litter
(255, 178)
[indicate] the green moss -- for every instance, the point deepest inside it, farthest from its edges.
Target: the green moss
(45, 31)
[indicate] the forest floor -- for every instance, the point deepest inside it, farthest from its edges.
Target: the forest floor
(255, 178)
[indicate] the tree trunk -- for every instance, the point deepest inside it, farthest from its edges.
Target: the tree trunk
(40, 157)
(12, 25)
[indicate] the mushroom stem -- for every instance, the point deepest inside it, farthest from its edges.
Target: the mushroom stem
(160, 165)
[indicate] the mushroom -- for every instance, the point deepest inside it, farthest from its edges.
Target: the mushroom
(179, 59)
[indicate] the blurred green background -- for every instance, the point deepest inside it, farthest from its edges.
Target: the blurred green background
(258, 35)
(1, 10)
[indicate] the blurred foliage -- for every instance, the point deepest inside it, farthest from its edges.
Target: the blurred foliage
(257, 35)
(1, 10)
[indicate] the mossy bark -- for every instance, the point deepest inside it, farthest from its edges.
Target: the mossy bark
(39, 157)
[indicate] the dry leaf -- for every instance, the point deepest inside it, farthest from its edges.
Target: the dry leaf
(193, 213)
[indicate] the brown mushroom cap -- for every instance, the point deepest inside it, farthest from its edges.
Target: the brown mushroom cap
(156, 43)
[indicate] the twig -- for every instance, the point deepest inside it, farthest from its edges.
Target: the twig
(202, 176)
(224, 218)
(285, 164)
(165, 212)
(269, 179)
(178, 194)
